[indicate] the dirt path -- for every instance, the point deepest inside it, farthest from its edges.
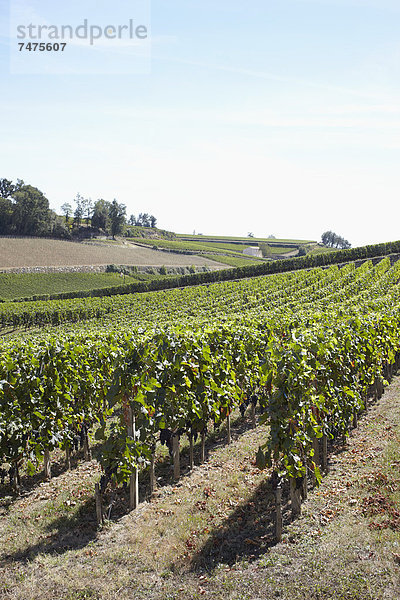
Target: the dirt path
(211, 537)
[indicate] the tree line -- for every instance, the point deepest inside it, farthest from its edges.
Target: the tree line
(332, 240)
(110, 217)
(24, 210)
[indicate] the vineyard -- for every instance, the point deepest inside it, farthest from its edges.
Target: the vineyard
(308, 348)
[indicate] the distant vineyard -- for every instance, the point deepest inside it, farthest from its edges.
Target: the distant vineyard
(244, 268)
(14, 286)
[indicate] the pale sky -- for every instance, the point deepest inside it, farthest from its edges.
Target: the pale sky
(275, 117)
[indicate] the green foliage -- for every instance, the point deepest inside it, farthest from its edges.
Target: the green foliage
(100, 217)
(332, 240)
(15, 286)
(24, 210)
(137, 231)
(308, 344)
(247, 269)
(31, 213)
(6, 216)
(116, 215)
(265, 249)
(143, 220)
(7, 188)
(67, 211)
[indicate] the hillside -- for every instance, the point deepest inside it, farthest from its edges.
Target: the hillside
(17, 253)
(147, 248)
(231, 250)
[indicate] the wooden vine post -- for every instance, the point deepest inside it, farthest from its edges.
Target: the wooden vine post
(99, 504)
(324, 461)
(16, 480)
(278, 513)
(87, 453)
(228, 428)
(316, 458)
(304, 481)
(47, 464)
(152, 469)
(134, 489)
(134, 477)
(203, 447)
(176, 457)
(68, 457)
(191, 452)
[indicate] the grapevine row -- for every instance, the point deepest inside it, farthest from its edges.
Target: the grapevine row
(310, 372)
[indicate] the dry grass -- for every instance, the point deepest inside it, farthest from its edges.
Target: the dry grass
(210, 536)
(38, 252)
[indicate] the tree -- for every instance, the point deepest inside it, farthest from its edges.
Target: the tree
(87, 209)
(326, 238)
(7, 188)
(67, 210)
(332, 240)
(100, 218)
(117, 214)
(31, 213)
(78, 213)
(143, 220)
(6, 216)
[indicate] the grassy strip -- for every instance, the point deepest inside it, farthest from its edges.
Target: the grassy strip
(189, 246)
(22, 285)
(233, 261)
(29, 286)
